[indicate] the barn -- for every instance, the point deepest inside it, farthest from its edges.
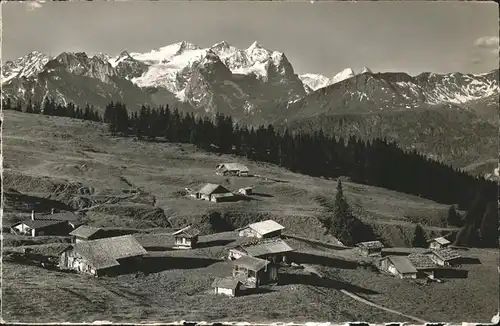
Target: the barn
(445, 257)
(71, 218)
(399, 266)
(214, 192)
(245, 191)
(370, 248)
(254, 272)
(229, 286)
(86, 233)
(275, 250)
(424, 265)
(236, 169)
(439, 243)
(107, 256)
(264, 229)
(41, 227)
(186, 238)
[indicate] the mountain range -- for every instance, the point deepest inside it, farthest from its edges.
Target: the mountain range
(257, 85)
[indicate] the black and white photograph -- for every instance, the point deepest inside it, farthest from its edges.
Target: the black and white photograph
(250, 162)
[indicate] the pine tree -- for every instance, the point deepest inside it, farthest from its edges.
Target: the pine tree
(343, 223)
(419, 239)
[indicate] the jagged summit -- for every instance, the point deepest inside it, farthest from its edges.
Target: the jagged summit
(366, 70)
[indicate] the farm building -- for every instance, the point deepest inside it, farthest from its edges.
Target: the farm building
(232, 169)
(445, 257)
(399, 266)
(186, 238)
(215, 193)
(37, 227)
(370, 248)
(71, 218)
(254, 272)
(264, 229)
(229, 286)
(275, 251)
(245, 191)
(106, 256)
(86, 233)
(424, 265)
(439, 243)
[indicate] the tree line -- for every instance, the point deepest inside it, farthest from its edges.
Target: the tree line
(375, 162)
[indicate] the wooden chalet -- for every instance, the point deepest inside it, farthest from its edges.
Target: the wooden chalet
(186, 238)
(215, 193)
(230, 286)
(399, 266)
(254, 272)
(236, 169)
(439, 243)
(275, 251)
(107, 256)
(445, 257)
(264, 229)
(424, 265)
(86, 233)
(370, 248)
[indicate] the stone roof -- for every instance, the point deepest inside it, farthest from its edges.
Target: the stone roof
(266, 227)
(370, 245)
(85, 231)
(402, 264)
(251, 263)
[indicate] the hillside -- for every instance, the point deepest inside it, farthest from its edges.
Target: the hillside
(122, 183)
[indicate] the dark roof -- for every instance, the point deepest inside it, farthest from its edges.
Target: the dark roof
(62, 216)
(446, 254)
(370, 245)
(104, 253)
(251, 263)
(39, 224)
(226, 283)
(85, 231)
(402, 264)
(266, 248)
(188, 232)
(210, 188)
(421, 261)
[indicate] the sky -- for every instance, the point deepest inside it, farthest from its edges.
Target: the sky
(322, 37)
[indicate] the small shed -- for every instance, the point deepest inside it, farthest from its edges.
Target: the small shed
(236, 169)
(86, 233)
(424, 265)
(229, 286)
(245, 191)
(209, 190)
(275, 251)
(399, 266)
(107, 256)
(254, 271)
(264, 229)
(439, 243)
(186, 238)
(370, 248)
(445, 257)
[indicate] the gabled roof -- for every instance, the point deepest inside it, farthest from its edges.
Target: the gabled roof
(62, 216)
(233, 167)
(402, 264)
(105, 253)
(209, 189)
(266, 248)
(226, 283)
(188, 232)
(370, 245)
(251, 263)
(39, 224)
(446, 254)
(227, 194)
(266, 227)
(441, 241)
(85, 231)
(421, 261)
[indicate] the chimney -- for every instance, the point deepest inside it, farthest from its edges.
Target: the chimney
(32, 215)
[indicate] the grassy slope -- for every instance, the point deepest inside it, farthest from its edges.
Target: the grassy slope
(44, 152)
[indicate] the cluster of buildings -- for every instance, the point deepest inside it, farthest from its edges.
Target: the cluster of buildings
(54, 224)
(428, 264)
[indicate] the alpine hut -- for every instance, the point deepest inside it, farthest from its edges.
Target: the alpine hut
(264, 229)
(186, 238)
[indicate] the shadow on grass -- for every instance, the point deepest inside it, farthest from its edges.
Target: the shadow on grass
(159, 248)
(469, 261)
(159, 264)
(214, 243)
(451, 273)
(259, 194)
(305, 258)
(250, 291)
(285, 279)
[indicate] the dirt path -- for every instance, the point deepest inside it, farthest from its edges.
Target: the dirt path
(313, 270)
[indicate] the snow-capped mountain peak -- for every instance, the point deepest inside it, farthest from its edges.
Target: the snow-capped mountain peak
(314, 81)
(27, 66)
(343, 75)
(366, 70)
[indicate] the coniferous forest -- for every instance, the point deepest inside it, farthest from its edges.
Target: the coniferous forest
(378, 162)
